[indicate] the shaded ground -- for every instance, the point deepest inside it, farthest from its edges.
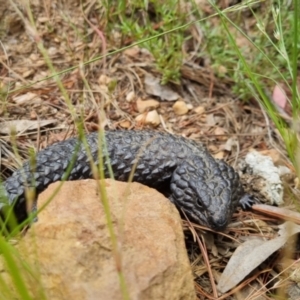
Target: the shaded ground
(106, 92)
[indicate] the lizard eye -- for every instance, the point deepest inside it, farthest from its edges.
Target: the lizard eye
(199, 203)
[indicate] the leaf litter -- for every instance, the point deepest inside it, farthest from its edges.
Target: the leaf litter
(251, 254)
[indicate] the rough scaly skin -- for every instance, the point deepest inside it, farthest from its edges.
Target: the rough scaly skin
(206, 189)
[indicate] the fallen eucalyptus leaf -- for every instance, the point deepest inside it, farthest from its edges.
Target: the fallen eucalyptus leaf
(153, 87)
(251, 254)
(21, 126)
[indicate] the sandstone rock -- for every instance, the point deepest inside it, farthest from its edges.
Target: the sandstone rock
(70, 250)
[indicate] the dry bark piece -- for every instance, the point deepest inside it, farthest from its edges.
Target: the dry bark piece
(72, 247)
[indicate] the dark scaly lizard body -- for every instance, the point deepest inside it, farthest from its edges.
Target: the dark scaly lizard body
(206, 189)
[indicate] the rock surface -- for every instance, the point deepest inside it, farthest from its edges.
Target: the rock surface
(265, 178)
(70, 247)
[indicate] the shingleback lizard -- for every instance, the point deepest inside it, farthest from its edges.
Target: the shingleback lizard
(206, 189)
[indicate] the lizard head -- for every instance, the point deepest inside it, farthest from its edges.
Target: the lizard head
(207, 190)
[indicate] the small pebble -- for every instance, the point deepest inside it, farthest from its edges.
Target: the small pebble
(180, 108)
(125, 124)
(199, 110)
(130, 96)
(143, 105)
(150, 118)
(220, 133)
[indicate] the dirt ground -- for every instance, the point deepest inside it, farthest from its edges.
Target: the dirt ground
(111, 93)
(116, 84)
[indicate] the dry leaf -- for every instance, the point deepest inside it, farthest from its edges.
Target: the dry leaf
(153, 87)
(21, 126)
(231, 142)
(220, 134)
(25, 98)
(210, 120)
(251, 254)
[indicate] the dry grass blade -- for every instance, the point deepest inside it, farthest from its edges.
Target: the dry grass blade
(278, 212)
